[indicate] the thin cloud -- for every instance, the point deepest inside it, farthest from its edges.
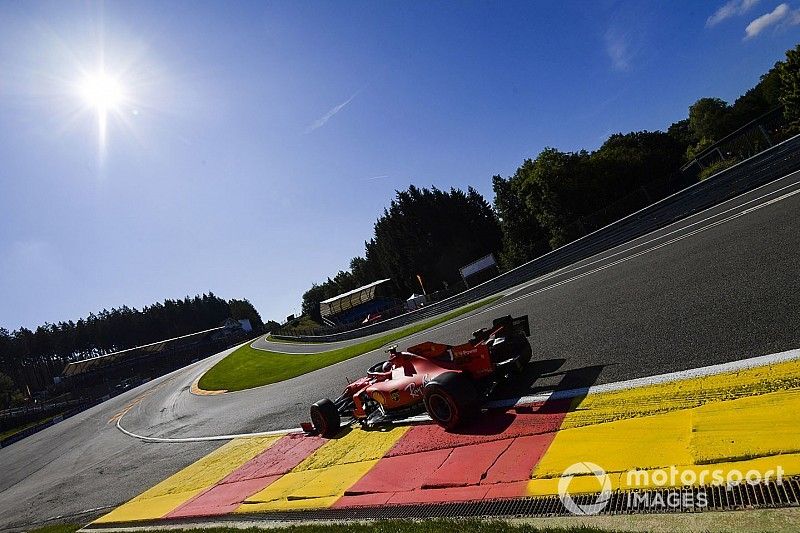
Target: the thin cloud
(765, 21)
(382, 176)
(618, 50)
(330, 114)
(730, 9)
(794, 18)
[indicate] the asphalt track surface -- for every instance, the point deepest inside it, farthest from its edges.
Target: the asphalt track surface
(716, 287)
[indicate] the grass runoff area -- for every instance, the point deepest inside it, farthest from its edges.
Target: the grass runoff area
(780, 520)
(23, 427)
(248, 367)
(388, 526)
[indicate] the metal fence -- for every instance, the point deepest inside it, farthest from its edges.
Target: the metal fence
(767, 166)
(754, 137)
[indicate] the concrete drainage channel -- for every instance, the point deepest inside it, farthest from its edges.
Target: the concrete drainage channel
(742, 496)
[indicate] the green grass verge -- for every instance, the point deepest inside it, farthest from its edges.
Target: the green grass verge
(382, 526)
(18, 429)
(270, 338)
(247, 367)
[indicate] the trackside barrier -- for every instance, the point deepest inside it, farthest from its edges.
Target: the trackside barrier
(769, 165)
(42, 408)
(27, 432)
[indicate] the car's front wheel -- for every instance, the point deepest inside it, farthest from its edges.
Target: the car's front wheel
(325, 418)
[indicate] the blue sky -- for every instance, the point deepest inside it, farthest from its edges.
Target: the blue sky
(257, 142)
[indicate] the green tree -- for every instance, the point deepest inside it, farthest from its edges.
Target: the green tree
(552, 196)
(524, 238)
(8, 392)
(627, 161)
(558, 187)
(50, 346)
(243, 309)
(311, 299)
(790, 88)
(764, 97)
(365, 271)
(432, 233)
(681, 133)
(695, 149)
(709, 118)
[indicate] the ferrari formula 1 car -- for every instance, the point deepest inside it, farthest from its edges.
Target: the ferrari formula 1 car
(449, 382)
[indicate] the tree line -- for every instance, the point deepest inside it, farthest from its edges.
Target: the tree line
(424, 234)
(114, 330)
(542, 205)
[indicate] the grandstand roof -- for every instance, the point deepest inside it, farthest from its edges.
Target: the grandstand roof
(350, 299)
(84, 365)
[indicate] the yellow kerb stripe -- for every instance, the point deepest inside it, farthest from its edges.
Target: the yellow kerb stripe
(758, 430)
(189, 482)
(683, 394)
(323, 477)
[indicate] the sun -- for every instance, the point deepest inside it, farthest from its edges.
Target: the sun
(102, 92)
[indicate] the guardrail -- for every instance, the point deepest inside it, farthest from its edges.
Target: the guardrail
(35, 428)
(767, 166)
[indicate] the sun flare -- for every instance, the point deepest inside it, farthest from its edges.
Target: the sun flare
(102, 92)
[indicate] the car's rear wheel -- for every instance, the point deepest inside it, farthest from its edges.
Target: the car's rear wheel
(325, 418)
(451, 399)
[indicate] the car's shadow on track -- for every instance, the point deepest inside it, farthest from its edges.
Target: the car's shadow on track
(566, 396)
(540, 377)
(524, 383)
(572, 389)
(493, 422)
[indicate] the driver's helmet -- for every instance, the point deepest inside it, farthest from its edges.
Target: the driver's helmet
(387, 366)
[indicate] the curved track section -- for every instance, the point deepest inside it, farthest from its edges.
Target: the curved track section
(717, 287)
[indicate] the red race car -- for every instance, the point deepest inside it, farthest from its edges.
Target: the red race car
(449, 382)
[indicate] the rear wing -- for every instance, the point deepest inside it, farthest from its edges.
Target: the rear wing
(521, 325)
(518, 325)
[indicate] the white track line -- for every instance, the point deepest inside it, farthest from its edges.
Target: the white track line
(493, 307)
(733, 366)
(205, 439)
(572, 268)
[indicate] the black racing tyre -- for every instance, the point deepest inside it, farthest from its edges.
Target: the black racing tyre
(451, 399)
(325, 418)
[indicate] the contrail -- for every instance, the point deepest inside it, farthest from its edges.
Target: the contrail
(327, 116)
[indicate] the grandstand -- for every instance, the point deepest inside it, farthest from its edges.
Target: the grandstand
(356, 305)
